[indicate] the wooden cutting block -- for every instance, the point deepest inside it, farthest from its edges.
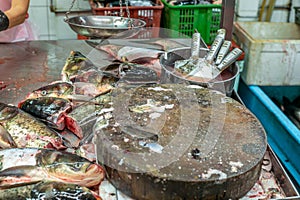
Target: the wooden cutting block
(179, 142)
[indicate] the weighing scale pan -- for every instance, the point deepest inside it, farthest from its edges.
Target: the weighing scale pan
(105, 26)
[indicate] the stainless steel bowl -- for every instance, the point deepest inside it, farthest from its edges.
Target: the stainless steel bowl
(96, 26)
(224, 83)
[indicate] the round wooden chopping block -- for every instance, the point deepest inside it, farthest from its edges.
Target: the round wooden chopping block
(179, 142)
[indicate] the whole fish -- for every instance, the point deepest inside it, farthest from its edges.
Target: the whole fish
(26, 130)
(48, 191)
(27, 165)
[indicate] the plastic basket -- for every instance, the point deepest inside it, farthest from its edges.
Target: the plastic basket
(150, 14)
(205, 18)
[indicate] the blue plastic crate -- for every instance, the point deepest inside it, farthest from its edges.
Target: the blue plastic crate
(283, 135)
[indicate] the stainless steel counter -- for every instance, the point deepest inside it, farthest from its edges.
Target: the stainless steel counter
(25, 66)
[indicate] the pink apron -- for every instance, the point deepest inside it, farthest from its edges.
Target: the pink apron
(18, 33)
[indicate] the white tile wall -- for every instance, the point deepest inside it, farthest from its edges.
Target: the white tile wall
(50, 25)
(38, 15)
(246, 19)
(63, 31)
(246, 8)
(38, 2)
(295, 3)
(279, 14)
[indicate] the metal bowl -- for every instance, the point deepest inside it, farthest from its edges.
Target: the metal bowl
(96, 26)
(223, 83)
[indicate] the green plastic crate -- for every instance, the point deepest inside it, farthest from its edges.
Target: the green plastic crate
(206, 18)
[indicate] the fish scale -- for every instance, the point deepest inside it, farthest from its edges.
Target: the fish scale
(27, 131)
(27, 165)
(49, 190)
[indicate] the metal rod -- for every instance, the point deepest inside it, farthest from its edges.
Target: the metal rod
(262, 10)
(228, 17)
(270, 10)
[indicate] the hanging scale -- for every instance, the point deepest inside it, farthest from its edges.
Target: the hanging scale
(127, 11)
(130, 24)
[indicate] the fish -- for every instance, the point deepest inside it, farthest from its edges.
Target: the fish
(60, 89)
(27, 165)
(49, 190)
(165, 44)
(131, 54)
(91, 83)
(75, 63)
(70, 139)
(50, 110)
(26, 130)
(114, 69)
(87, 151)
(137, 74)
(53, 111)
(6, 141)
(86, 114)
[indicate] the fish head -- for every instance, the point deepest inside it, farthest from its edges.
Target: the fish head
(73, 64)
(55, 89)
(7, 111)
(49, 109)
(71, 168)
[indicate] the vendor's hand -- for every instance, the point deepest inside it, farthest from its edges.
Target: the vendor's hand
(4, 21)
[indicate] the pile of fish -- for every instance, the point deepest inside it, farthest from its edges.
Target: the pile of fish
(42, 151)
(46, 149)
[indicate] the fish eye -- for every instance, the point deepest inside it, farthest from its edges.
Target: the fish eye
(44, 92)
(77, 165)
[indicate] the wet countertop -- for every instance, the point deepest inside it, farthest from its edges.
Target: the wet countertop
(25, 66)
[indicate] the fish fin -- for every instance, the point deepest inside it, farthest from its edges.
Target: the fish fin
(18, 171)
(6, 141)
(19, 184)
